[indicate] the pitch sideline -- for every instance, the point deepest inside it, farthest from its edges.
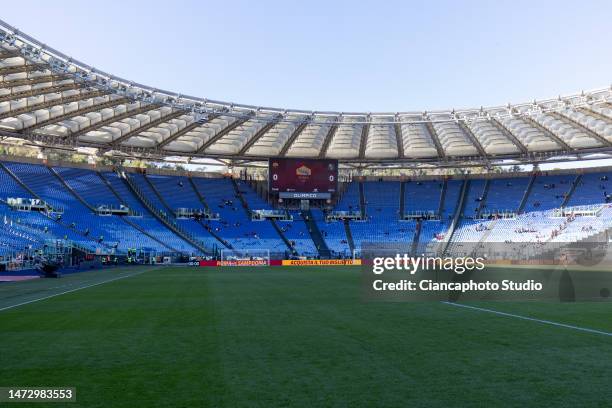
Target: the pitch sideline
(532, 319)
(76, 289)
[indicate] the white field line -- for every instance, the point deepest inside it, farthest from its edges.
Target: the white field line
(73, 290)
(531, 319)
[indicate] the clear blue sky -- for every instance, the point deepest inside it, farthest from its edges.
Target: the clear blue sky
(347, 56)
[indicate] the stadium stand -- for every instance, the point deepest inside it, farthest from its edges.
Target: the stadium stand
(74, 196)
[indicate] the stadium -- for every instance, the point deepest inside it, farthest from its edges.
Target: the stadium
(214, 253)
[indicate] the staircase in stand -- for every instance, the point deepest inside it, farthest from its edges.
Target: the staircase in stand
(283, 237)
(159, 196)
(483, 197)
(569, 194)
(197, 192)
(163, 218)
(207, 207)
(70, 189)
(457, 216)
(244, 203)
(401, 203)
(488, 232)
(315, 234)
(112, 189)
(215, 235)
(442, 197)
(526, 195)
(143, 231)
(362, 201)
(417, 237)
(349, 236)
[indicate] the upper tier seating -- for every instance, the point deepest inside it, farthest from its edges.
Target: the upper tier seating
(505, 195)
(350, 198)
(548, 192)
(89, 186)
(383, 220)
(422, 196)
(473, 198)
(592, 189)
(451, 198)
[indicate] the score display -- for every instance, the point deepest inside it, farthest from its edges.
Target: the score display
(317, 178)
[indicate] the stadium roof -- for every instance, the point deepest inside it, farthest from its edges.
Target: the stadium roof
(53, 100)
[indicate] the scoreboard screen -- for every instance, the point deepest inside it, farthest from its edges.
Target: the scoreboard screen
(303, 176)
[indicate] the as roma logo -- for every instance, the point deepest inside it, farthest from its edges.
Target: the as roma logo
(303, 171)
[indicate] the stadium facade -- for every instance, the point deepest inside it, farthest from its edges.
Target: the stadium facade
(53, 101)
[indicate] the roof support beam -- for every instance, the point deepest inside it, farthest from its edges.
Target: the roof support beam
(597, 115)
(327, 141)
(399, 138)
(297, 132)
(258, 136)
(548, 133)
(40, 91)
(468, 132)
(55, 102)
(436, 139)
(145, 127)
(581, 127)
(185, 130)
(365, 133)
(509, 135)
(223, 132)
(115, 118)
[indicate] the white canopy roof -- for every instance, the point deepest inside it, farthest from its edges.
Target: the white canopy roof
(55, 100)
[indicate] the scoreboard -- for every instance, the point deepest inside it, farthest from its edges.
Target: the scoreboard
(303, 178)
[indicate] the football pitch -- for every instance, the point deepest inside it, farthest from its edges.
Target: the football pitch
(292, 336)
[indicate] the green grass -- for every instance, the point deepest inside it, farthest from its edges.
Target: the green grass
(270, 337)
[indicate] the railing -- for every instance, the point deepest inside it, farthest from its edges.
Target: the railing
(259, 215)
(198, 213)
(344, 215)
(106, 209)
(421, 214)
(590, 210)
(31, 204)
(506, 214)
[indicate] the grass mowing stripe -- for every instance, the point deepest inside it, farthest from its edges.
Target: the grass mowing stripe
(294, 337)
(75, 289)
(531, 319)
